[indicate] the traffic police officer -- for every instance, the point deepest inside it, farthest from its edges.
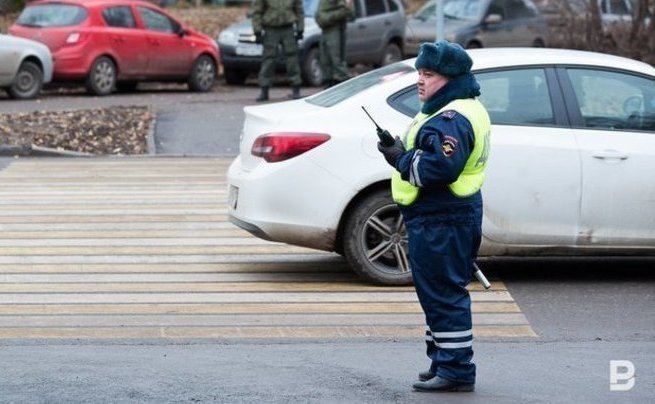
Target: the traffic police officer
(439, 169)
(332, 16)
(278, 22)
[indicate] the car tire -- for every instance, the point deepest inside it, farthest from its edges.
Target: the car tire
(375, 241)
(27, 83)
(312, 73)
(235, 77)
(538, 43)
(102, 77)
(203, 74)
(391, 54)
(474, 45)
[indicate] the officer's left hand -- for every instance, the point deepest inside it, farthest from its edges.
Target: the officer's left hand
(299, 35)
(391, 153)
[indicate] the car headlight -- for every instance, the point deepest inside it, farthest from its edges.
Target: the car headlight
(227, 37)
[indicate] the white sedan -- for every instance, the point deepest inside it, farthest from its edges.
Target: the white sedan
(570, 171)
(25, 65)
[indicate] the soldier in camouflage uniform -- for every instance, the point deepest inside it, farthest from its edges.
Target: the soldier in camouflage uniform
(278, 22)
(332, 16)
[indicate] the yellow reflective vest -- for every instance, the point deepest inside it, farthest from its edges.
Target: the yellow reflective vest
(470, 180)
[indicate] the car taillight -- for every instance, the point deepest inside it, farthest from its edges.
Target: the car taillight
(274, 147)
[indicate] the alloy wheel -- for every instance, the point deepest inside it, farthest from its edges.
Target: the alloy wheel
(384, 240)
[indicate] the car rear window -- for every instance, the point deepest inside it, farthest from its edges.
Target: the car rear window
(52, 15)
(335, 95)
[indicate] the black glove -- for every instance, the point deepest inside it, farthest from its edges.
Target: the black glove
(299, 35)
(391, 153)
(259, 38)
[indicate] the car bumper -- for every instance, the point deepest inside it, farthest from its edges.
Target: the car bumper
(265, 203)
(230, 59)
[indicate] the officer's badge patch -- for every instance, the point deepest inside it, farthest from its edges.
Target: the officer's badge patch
(448, 146)
(450, 114)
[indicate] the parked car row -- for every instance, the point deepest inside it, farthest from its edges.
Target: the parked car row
(114, 44)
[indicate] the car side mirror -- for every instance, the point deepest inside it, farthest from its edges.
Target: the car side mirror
(182, 32)
(493, 19)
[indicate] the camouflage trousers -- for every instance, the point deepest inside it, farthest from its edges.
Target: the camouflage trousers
(284, 36)
(333, 54)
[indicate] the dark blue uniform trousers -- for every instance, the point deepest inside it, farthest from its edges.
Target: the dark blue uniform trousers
(442, 248)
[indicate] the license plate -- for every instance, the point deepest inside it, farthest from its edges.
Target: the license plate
(232, 197)
(250, 50)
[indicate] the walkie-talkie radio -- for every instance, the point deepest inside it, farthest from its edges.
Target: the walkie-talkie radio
(385, 137)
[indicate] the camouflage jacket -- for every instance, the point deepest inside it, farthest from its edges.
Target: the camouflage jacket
(277, 13)
(333, 12)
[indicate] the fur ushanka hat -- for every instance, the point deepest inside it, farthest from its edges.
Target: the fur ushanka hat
(446, 58)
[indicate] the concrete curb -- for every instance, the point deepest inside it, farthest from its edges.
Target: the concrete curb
(38, 151)
(150, 138)
(14, 150)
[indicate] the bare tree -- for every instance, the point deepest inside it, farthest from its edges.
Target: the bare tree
(580, 25)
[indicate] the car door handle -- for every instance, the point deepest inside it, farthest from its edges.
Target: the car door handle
(387, 22)
(361, 26)
(609, 155)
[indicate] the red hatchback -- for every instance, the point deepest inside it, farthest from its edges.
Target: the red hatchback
(111, 44)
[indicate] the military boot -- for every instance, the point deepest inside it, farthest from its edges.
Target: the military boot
(295, 93)
(426, 375)
(438, 384)
(263, 95)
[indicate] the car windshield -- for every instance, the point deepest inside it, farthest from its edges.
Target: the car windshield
(310, 7)
(52, 15)
(454, 9)
(463, 9)
(335, 95)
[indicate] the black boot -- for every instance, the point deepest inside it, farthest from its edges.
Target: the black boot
(295, 94)
(427, 375)
(438, 384)
(263, 95)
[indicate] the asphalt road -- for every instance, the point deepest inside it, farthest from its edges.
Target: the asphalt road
(187, 124)
(585, 314)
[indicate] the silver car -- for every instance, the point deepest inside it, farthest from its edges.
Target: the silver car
(25, 65)
(374, 37)
(479, 24)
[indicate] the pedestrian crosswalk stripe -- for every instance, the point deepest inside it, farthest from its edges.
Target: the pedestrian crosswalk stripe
(121, 248)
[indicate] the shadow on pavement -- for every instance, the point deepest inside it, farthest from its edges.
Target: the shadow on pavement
(570, 269)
